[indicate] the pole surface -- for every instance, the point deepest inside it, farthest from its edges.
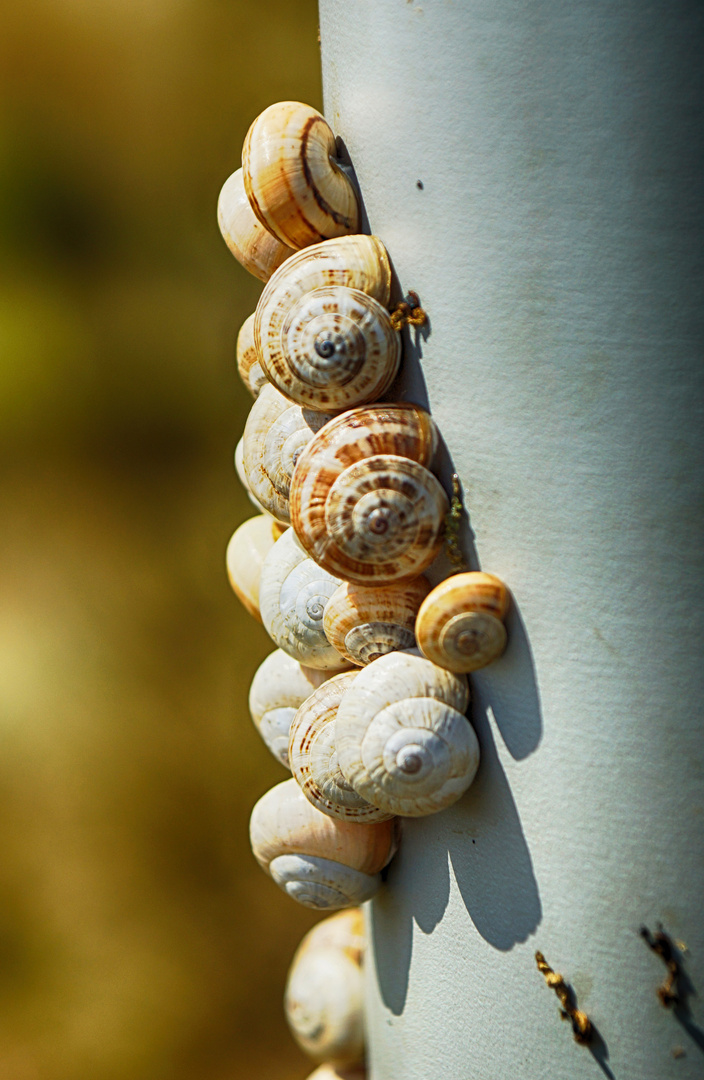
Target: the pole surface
(534, 170)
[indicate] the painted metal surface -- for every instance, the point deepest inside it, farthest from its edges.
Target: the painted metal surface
(534, 170)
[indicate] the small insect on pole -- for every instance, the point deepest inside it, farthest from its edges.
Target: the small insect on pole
(535, 171)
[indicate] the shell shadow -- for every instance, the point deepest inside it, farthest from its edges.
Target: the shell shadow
(344, 160)
(494, 873)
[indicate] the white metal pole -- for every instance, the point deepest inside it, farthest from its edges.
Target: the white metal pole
(534, 170)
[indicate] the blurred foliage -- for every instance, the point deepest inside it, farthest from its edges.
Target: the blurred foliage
(138, 938)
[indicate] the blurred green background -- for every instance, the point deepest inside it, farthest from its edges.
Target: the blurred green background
(138, 938)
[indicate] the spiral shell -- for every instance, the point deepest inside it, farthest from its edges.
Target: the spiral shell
(248, 547)
(321, 328)
(460, 623)
(293, 592)
(364, 623)
(320, 861)
(294, 185)
(362, 501)
(259, 250)
(242, 476)
(324, 998)
(274, 436)
(279, 686)
(402, 739)
(247, 359)
(313, 758)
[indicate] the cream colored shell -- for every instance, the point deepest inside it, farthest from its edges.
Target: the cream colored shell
(323, 348)
(279, 686)
(460, 624)
(366, 622)
(293, 182)
(320, 861)
(254, 246)
(313, 758)
(330, 1072)
(324, 998)
(293, 592)
(248, 547)
(242, 476)
(247, 359)
(401, 736)
(274, 436)
(363, 502)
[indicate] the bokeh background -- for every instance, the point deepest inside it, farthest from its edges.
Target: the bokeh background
(138, 938)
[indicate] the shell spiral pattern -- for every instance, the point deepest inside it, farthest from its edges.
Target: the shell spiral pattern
(274, 436)
(460, 623)
(402, 739)
(253, 245)
(319, 861)
(293, 182)
(321, 329)
(362, 501)
(364, 623)
(293, 592)
(313, 757)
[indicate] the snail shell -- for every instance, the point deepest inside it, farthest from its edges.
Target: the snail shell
(460, 623)
(248, 547)
(362, 501)
(324, 998)
(293, 592)
(274, 436)
(366, 622)
(320, 861)
(279, 686)
(247, 359)
(293, 183)
(239, 468)
(330, 1072)
(254, 246)
(313, 758)
(321, 327)
(402, 739)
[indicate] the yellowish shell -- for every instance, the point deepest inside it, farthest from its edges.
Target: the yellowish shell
(313, 758)
(365, 622)
(248, 547)
(320, 861)
(274, 436)
(362, 501)
(242, 476)
(247, 360)
(460, 623)
(280, 685)
(294, 185)
(254, 246)
(331, 1072)
(326, 349)
(324, 999)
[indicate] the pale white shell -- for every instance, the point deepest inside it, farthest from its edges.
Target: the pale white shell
(294, 185)
(279, 686)
(324, 998)
(366, 622)
(460, 623)
(274, 436)
(253, 245)
(330, 1072)
(248, 547)
(293, 592)
(313, 758)
(300, 318)
(247, 359)
(363, 502)
(320, 861)
(401, 736)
